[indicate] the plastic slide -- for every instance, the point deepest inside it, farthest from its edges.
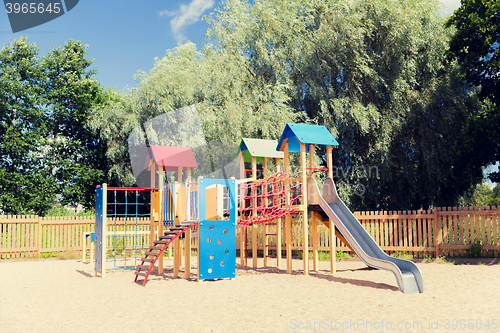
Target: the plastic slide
(407, 273)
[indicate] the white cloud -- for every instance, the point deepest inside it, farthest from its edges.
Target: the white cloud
(187, 15)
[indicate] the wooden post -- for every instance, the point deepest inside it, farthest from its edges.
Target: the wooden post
(265, 231)
(305, 225)
(333, 250)
(254, 214)
(278, 242)
(265, 228)
(314, 227)
(437, 231)
(329, 163)
(152, 168)
(177, 256)
(187, 254)
(288, 217)
(332, 237)
(39, 237)
(242, 195)
(104, 228)
(161, 198)
(278, 224)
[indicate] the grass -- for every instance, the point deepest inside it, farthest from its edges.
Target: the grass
(65, 255)
(402, 255)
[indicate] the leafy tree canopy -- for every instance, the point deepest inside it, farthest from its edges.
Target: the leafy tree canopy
(47, 151)
(476, 45)
(374, 72)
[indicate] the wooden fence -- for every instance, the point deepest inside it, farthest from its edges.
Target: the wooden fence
(446, 231)
(30, 236)
(442, 231)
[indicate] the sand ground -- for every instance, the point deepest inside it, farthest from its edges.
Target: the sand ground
(64, 296)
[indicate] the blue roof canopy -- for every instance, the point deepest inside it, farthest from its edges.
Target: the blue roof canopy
(307, 134)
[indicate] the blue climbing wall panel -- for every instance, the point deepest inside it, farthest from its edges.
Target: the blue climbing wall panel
(217, 238)
(98, 229)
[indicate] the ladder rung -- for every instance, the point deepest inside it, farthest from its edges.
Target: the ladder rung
(166, 237)
(144, 267)
(148, 259)
(271, 234)
(140, 273)
(154, 254)
(161, 242)
(155, 247)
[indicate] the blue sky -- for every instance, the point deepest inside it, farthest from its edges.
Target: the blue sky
(125, 36)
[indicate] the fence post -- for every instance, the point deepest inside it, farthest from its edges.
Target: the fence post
(437, 231)
(38, 237)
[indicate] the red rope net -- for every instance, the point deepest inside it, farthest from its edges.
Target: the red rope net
(269, 199)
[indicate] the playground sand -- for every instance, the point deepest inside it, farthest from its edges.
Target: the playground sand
(64, 296)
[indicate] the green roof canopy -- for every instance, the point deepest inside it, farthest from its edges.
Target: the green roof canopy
(308, 134)
(259, 148)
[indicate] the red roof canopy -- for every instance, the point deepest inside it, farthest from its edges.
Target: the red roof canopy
(171, 158)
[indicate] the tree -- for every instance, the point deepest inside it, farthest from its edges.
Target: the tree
(476, 45)
(231, 103)
(75, 156)
(374, 73)
(46, 147)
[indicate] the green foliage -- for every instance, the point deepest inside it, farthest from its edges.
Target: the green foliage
(481, 195)
(374, 72)
(494, 196)
(227, 99)
(475, 250)
(476, 46)
(402, 255)
(59, 210)
(46, 147)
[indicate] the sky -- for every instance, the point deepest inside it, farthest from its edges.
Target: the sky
(126, 36)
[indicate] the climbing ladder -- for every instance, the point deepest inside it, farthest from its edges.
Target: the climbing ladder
(156, 251)
(268, 245)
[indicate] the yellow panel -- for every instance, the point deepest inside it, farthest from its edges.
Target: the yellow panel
(181, 204)
(211, 203)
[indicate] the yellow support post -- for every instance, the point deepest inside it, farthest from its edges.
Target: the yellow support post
(161, 198)
(333, 251)
(242, 230)
(152, 168)
(187, 254)
(332, 237)
(177, 255)
(288, 218)
(305, 225)
(254, 213)
(314, 227)
(278, 224)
